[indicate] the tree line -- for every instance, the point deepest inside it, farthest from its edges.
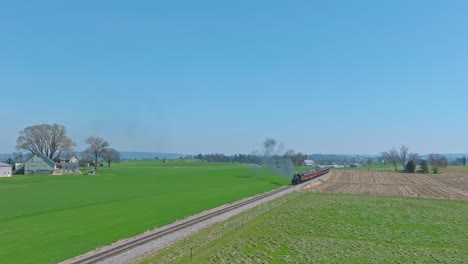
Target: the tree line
(52, 141)
(236, 158)
(409, 161)
(271, 153)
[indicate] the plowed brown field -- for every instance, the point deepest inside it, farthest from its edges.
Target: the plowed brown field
(444, 186)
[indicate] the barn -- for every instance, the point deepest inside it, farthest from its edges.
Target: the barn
(5, 170)
(38, 164)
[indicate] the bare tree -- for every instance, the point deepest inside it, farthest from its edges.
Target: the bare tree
(50, 140)
(402, 155)
(289, 153)
(96, 147)
(436, 161)
(110, 155)
(296, 158)
(414, 157)
(86, 158)
(369, 163)
(392, 156)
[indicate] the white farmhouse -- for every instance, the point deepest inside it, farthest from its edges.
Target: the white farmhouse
(5, 170)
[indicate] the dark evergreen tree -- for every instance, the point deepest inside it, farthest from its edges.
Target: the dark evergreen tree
(410, 166)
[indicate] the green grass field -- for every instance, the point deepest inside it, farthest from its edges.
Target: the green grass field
(376, 166)
(334, 228)
(455, 169)
(46, 219)
(373, 167)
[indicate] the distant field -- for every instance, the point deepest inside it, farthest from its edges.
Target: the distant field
(333, 228)
(445, 186)
(46, 219)
(455, 169)
(378, 166)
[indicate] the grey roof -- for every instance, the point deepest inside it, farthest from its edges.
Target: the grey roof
(69, 165)
(4, 164)
(65, 156)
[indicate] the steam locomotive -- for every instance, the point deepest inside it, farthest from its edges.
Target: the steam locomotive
(307, 176)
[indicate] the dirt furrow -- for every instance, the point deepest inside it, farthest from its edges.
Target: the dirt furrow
(446, 186)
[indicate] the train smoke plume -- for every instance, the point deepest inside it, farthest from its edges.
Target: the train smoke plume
(281, 166)
(275, 160)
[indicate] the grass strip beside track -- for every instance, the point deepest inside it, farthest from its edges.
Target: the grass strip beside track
(334, 228)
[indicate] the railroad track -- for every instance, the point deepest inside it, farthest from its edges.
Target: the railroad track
(119, 249)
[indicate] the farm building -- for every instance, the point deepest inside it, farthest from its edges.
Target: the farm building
(14, 164)
(309, 163)
(37, 164)
(67, 163)
(69, 167)
(67, 158)
(5, 170)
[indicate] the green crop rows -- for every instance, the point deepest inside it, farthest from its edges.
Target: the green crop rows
(47, 219)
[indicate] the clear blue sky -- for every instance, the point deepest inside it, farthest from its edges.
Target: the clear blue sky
(221, 76)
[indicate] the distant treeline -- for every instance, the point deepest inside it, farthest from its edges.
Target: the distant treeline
(239, 158)
(296, 158)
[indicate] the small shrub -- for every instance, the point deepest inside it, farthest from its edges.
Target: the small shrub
(424, 166)
(435, 169)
